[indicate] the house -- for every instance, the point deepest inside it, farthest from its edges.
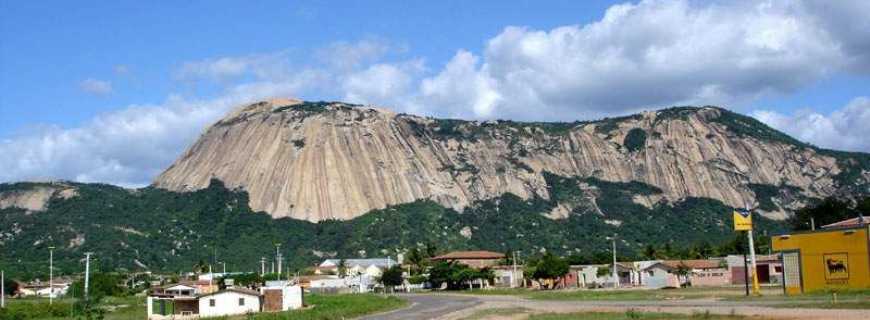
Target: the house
(506, 276)
(601, 275)
(232, 301)
(37, 288)
(707, 272)
(371, 267)
(658, 275)
(474, 259)
(187, 301)
(769, 268)
(281, 298)
(849, 223)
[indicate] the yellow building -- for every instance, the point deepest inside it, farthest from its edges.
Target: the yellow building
(827, 259)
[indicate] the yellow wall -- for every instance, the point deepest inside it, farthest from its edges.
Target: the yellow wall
(830, 259)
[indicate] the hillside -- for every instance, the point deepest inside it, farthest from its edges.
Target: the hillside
(354, 181)
(317, 160)
(159, 230)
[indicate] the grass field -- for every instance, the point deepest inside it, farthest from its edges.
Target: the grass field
(320, 307)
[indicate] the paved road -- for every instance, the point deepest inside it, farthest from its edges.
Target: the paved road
(424, 307)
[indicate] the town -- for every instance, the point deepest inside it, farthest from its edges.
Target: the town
(794, 269)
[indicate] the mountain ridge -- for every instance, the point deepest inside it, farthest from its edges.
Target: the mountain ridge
(332, 160)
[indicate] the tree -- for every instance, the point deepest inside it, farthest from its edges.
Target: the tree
(10, 286)
(828, 211)
(417, 261)
(682, 272)
(650, 252)
(342, 268)
(547, 269)
(101, 284)
(391, 277)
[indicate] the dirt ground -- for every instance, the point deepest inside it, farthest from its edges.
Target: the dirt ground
(762, 309)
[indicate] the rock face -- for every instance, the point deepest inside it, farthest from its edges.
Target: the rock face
(318, 161)
(36, 198)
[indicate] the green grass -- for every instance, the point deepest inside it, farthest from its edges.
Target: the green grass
(630, 315)
(335, 307)
(320, 307)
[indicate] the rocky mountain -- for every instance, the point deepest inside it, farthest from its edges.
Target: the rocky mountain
(378, 183)
(318, 160)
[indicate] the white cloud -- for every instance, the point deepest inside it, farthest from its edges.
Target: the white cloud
(650, 54)
(843, 129)
(384, 84)
(224, 69)
(96, 87)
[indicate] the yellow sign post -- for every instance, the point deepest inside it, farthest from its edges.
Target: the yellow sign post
(743, 222)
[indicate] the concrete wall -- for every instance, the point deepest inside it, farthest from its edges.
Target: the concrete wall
(227, 303)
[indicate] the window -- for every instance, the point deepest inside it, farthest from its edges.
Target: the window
(241, 301)
(211, 302)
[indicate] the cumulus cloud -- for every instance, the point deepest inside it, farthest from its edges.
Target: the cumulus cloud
(843, 129)
(128, 147)
(650, 54)
(637, 56)
(96, 87)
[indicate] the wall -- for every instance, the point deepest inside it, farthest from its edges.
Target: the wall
(711, 277)
(227, 303)
(829, 259)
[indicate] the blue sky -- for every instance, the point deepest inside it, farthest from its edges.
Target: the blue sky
(113, 92)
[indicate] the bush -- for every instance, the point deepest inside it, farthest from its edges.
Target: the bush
(635, 140)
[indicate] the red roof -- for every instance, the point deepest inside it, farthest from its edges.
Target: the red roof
(854, 222)
(694, 264)
(457, 255)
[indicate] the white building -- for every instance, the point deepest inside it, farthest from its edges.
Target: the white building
(232, 301)
(281, 298)
(181, 301)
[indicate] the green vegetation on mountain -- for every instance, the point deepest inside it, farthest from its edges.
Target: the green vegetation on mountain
(160, 230)
(635, 140)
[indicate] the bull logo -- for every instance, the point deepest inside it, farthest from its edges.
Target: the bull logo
(836, 266)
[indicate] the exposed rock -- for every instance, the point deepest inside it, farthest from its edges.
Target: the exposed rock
(318, 161)
(35, 198)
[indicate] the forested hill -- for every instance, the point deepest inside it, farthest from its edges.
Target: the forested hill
(159, 230)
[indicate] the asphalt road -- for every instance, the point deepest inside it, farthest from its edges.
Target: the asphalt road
(427, 307)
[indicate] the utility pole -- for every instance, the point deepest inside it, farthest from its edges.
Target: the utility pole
(224, 264)
(87, 271)
(2, 289)
(615, 273)
(812, 223)
(262, 266)
(50, 274)
(514, 275)
(278, 257)
(755, 287)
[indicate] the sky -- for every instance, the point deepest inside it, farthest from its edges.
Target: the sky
(115, 91)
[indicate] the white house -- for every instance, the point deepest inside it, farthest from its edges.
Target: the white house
(281, 298)
(41, 289)
(232, 301)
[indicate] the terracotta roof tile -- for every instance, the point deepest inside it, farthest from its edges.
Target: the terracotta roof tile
(469, 255)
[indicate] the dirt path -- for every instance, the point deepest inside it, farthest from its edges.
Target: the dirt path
(760, 309)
